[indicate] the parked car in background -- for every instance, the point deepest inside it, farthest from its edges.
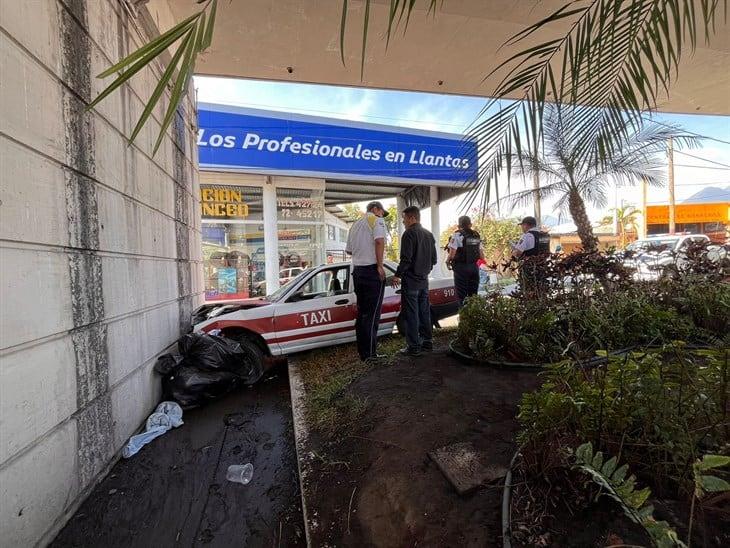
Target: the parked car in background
(658, 255)
(288, 274)
(317, 308)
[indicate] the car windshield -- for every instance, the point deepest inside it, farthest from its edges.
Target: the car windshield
(279, 293)
(654, 243)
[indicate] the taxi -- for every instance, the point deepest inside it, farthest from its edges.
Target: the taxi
(315, 309)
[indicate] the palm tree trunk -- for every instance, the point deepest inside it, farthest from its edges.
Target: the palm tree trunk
(578, 211)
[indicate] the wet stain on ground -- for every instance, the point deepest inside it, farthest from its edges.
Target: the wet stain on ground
(175, 493)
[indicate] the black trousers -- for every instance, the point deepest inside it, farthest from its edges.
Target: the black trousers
(416, 312)
(369, 289)
(466, 280)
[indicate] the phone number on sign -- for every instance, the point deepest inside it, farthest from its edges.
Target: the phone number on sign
(300, 213)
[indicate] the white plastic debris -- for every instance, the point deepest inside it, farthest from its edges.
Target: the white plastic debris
(168, 415)
(240, 473)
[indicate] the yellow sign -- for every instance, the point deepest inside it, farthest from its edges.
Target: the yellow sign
(689, 213)
(222, 202)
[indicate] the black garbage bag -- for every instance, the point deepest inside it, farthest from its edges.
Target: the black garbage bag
(191, 387)
(211, 352)
(207, 367)
(167, 363)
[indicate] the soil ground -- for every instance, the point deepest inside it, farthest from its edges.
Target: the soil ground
(174, 491)
(370, 480)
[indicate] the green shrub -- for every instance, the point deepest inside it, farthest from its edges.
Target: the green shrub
(658, 409)
(601, 309)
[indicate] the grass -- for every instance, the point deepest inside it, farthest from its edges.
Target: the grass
(328, 372)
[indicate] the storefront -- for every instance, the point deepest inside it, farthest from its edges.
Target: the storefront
(234, 247)
(712, 219)
(270, 183)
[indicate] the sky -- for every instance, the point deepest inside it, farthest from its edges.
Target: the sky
(708, 165)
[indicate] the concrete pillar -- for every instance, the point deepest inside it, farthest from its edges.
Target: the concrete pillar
(438, 270)
(271, 237)
(400, 205)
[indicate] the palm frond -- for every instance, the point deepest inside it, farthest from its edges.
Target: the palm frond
(616, 58)
(525, 197)
(193, 35)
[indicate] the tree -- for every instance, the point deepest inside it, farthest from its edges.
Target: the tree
(392, 246)
(571, 176)
(615, 59)
(496, 235)
(625, 217)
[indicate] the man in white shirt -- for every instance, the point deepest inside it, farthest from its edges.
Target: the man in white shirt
(533, 243)
(366, 244)
(527, 242)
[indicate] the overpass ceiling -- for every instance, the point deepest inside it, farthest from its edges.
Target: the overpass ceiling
(450, 53)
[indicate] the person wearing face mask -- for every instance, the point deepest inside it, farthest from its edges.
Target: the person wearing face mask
(366, 244)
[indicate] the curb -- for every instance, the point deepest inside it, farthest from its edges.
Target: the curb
(296, 389)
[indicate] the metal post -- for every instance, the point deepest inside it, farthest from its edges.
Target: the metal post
(670, 157)
(400, 205)
(271, 237)
(438, 270)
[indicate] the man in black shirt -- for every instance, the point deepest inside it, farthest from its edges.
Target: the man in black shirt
(417, 259)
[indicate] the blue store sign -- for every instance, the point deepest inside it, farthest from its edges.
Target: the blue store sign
(291, 144)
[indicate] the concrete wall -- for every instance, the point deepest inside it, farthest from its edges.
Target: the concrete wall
(99, 253)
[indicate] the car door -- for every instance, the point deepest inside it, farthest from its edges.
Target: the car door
(319, 312)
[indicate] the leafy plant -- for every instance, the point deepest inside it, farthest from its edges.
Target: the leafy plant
(659, 409)
(614, 483)
(193, 35)
(705, 483)
(710, 484)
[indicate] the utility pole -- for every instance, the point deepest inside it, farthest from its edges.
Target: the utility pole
(670, 157)
(536, 197)
(644, 213)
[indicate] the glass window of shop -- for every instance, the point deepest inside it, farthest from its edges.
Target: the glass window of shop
(300, 216)
(233, 241)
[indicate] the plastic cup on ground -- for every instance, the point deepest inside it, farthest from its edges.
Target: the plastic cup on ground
(240, 473)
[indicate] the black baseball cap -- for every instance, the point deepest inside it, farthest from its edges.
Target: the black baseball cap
(379, 205)
(528, 221)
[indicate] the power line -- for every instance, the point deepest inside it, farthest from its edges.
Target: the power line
(702, 167)
(705, 184)
(703, 159)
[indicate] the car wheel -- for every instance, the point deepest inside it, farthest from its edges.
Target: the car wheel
(253, 354)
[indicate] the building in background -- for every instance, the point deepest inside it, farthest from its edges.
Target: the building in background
(271, 183)
(711, 218)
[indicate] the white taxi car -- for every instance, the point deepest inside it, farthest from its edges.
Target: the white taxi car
(315, 309)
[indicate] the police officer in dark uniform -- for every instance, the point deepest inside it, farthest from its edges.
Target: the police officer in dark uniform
(465, 249)
(533, 243)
